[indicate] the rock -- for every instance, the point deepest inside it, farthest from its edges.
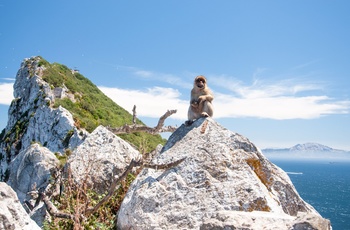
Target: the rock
(310, 221)
(264, 220)
(12, 214)
(100, 156)
(225, 182)
(31, 170)
(32, 119)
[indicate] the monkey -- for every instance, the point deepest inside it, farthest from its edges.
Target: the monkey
(201, 100)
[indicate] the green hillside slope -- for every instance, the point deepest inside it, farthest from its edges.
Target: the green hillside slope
(91, 107)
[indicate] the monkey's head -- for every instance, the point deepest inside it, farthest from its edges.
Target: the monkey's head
(200, 82)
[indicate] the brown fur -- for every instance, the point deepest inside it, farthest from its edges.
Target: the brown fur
(201, 100)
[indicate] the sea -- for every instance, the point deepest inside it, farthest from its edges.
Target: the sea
(323, 184)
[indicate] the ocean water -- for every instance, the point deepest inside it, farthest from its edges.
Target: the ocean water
(324, 185)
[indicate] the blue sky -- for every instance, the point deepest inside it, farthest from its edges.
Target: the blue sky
(278, 69)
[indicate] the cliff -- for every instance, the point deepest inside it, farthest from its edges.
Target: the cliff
(32, 119)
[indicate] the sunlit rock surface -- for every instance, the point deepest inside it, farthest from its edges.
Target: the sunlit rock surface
(223, 183)
(99, 158)
(12, 214)
(32, 119)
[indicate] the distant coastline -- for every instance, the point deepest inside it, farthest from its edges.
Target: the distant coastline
(308, 151)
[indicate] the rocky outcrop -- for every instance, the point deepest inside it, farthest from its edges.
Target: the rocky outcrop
(223, 183)
(32, 119)
(31, 170)
(12, 214)
(101, 156)
(34, 132)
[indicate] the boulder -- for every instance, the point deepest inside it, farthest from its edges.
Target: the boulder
(12, 214)
(31, 170)
(101, 156)
(224, 182)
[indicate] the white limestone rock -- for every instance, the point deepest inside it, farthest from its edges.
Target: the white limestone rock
(12, 214)
(31, 170)
(54, 128)
(100, 156)
(31, 119)
(223, 183)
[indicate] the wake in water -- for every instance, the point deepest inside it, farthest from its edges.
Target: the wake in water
(295, 173)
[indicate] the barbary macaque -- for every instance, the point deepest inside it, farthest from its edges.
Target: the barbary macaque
(201, 100)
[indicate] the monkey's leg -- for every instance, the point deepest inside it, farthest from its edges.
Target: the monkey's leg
(207, 109)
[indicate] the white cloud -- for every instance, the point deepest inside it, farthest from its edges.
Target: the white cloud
(279, 108)
(261, 89)
(8, 79)
(276, 100)
(153, 102)
(162, 77)
(144, 73)
(6, 92)
(261, 103)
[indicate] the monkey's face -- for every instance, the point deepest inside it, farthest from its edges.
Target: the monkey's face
(200, 82)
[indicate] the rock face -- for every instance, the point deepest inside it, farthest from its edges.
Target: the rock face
(223, 183)
(12, 214)
(99, 157)
(36, 132)
(31, 119)
(31, 170)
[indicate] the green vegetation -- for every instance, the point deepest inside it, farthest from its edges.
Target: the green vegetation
(65, 142)
(75, 200)
(91, 107)
(63, 158)
(13, 137)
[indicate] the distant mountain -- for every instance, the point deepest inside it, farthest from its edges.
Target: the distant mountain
(311, 147)
(307, 147)
(307, 151)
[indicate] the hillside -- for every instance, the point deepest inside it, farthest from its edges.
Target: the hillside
(58, 107)
(88, 105)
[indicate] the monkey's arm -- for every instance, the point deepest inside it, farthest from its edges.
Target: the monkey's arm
(194, 98)
(195, 104)
(207, 97)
